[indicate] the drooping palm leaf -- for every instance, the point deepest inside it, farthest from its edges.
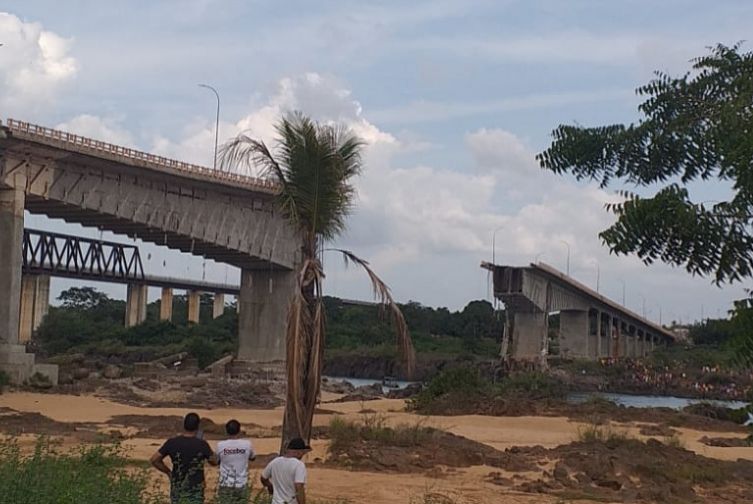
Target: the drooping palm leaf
(383, 296)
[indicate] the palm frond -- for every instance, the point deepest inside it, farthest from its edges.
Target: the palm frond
(383, 296)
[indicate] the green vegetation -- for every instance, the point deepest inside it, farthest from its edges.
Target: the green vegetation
(89, 322)
(373, 427)
(694, 128)
(93, 475)
(460, 388)
(473, 331)
(596, 433)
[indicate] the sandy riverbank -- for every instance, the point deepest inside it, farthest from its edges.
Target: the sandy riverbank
(327, 482)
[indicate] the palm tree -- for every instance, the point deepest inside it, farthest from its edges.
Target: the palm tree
(313, 164)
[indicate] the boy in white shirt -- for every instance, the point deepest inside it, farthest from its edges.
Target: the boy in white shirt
(233, 455)
(285, 476)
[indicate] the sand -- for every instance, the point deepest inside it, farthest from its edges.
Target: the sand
(469, 485)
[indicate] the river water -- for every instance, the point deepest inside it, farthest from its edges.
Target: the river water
(635, 401)
(651, 401)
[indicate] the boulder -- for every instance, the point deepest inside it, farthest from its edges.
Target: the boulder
(373, 390)
(65, 378)
(39, 381)
(405, 393)
(337, 386)
(112, 372)
(81, 373)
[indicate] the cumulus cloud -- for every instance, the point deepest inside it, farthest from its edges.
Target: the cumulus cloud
(108, 130)
(34, 63)
(426, 229)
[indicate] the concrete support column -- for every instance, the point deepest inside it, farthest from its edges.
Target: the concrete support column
(574, 334)
(606, 340)
(166, 304)
(263, 303)
(529, 330)
(35, 303)
(218, 306)
(194, 303)
(599, 333)
(11, 249)
(136, 299)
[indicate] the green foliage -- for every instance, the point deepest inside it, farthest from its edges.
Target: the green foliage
(93, 475)
(475, 330)
(89, 322)
(712, 332)
(463, 383)
(532, 385)
(456, 387)
(597, 433)
(373, 428)
(694, 128)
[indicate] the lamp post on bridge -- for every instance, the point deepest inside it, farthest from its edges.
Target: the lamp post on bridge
(623, 291)
(494, 244)
(217, 121)
(568, 256)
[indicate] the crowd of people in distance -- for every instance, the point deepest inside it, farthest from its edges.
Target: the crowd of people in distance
(710, 382)
(284, 477)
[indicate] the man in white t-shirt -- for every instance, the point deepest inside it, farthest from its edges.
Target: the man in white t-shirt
(285, 476)
(233, 455)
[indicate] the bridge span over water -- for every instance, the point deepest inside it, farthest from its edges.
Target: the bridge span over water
(222, 216)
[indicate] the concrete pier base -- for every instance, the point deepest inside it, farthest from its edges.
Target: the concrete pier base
(136, 304)
(166, 304)
(262, 316)
(194, 303)
(218, 305)
(529, 330)
(35, 304)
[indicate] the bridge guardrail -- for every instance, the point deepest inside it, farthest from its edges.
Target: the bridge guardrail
(153, 160)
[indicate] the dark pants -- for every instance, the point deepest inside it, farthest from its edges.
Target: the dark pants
(231, 495)
(186, 495)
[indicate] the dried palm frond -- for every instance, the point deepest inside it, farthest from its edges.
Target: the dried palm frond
(383, 296)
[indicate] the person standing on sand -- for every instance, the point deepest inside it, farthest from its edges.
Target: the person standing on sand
(285, 476)
(187, 453)
(233, 455)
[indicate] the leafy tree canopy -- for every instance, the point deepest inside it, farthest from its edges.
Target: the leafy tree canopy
(697, 127)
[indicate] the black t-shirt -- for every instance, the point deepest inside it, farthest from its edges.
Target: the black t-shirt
(187, 455)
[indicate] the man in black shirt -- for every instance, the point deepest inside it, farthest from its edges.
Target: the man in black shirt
(187, 452)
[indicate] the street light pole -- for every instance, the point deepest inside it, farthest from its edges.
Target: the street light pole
(568, 256)
(643, 304)
(598, 274)
(494, 245)
(217, 121)
(623, 291)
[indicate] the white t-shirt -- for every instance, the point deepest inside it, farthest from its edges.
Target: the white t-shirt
(284, 473)
(234, 455)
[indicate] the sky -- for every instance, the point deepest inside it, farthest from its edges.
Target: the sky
(453, 97)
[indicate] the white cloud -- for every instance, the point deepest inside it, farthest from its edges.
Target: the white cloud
(426, 229)
(34, 63)
(96, 127)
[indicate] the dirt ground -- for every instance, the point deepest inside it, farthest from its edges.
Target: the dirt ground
(509, 470)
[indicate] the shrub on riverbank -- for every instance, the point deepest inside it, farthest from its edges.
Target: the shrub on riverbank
(464, 390)
(91, 476)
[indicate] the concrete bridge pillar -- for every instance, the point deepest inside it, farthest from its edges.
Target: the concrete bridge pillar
(263, 303)
(218, 306)
(574, 334)
(194, 303)
(35, 304)
(14, 360)
(11, 249)
(136, 299)
(166, 304)
(529, 331)
(606, 335)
